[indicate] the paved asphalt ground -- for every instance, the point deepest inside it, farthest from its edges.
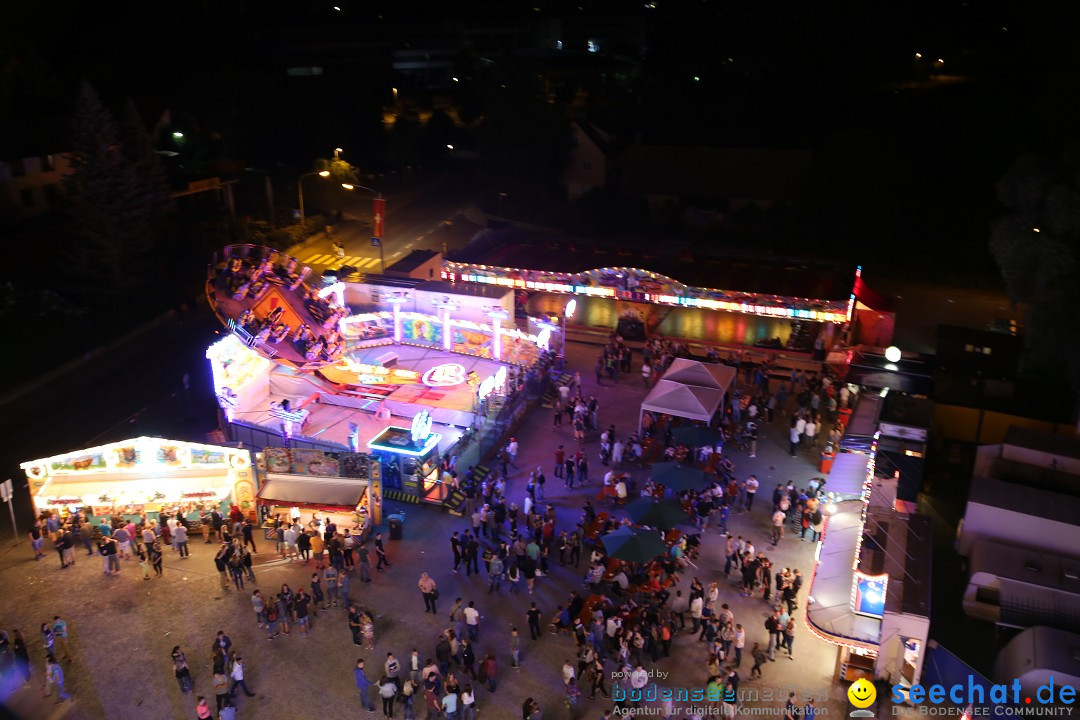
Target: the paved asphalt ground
(124, 628)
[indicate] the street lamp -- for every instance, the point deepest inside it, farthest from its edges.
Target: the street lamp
(337, 153)
(300, 191)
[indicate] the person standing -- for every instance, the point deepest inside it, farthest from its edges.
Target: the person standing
(393, 670)
(490, 669)
(37, 540)
(182, 671)
(387, 691)
(777, 526)
(533, 616)
(248, 531)
(789, 638)
(365, 563)
(455, 548)
(60, 634)
(752, 486)
(793, 439)
(515, 648)
(221, 562)
(430, 592)
(380, 551)
(363, 686)
(472, 620)
(156, 557)
(180, 540)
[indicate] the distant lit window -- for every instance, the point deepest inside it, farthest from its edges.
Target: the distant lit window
(26, 197)
(48, 164)
(986, 351)
(969, 348)
(594, 47)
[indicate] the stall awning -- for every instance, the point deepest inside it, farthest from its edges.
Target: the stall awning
(830, 614)
(344, 493)
(846, 478)
(701, 374)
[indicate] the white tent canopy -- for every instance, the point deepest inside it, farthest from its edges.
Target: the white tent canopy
(687, 401)
(707, 375)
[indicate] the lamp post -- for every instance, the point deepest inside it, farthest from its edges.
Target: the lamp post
(497, 315)
(300, 191)
(568, 312)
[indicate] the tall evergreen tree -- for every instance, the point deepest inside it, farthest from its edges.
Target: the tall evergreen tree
(116, 201)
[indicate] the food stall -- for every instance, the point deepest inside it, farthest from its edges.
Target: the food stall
(143, 476)
(342, 487)
(410, 459)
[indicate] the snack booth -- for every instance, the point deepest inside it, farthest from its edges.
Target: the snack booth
(143, 476)
(319, 486)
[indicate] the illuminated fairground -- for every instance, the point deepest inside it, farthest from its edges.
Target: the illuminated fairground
(397, 370)
(354, 359)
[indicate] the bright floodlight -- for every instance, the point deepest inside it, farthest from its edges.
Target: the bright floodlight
(347, 186)
(892, 354)
(570, 308)
(324, 173)
(177, 135)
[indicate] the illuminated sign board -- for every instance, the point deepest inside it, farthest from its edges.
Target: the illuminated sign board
(870, 594)
(445, 375)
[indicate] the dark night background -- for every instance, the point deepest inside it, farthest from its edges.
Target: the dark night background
(941, 133)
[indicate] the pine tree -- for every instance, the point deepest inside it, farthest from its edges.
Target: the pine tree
(119, 202)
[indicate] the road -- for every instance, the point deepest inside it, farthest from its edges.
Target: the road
(418, 219)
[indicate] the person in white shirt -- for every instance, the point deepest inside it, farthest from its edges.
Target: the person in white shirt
(620, 489)
(793, 439)
(752, 485)
(617, 452)
(639, 678)
(472, 620)
(810, 433)
(568, 673)
(696, 606)
(740, 643)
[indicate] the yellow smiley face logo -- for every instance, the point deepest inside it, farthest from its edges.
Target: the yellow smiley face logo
(862, 693)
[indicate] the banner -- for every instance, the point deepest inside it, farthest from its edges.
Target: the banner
(378, 217)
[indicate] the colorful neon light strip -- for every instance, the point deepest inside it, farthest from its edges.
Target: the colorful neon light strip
(836, 311)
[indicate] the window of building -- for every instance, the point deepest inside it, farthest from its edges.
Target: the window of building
(26, 196)
(48, 163)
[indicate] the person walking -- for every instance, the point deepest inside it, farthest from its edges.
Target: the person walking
(363, 686)
(380, 552)
(515, 647)
(237, 675)
(430, 592)
(54, 675)
(222, 565)
(789, 638)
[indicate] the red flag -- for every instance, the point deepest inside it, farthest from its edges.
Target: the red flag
(378, 217)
